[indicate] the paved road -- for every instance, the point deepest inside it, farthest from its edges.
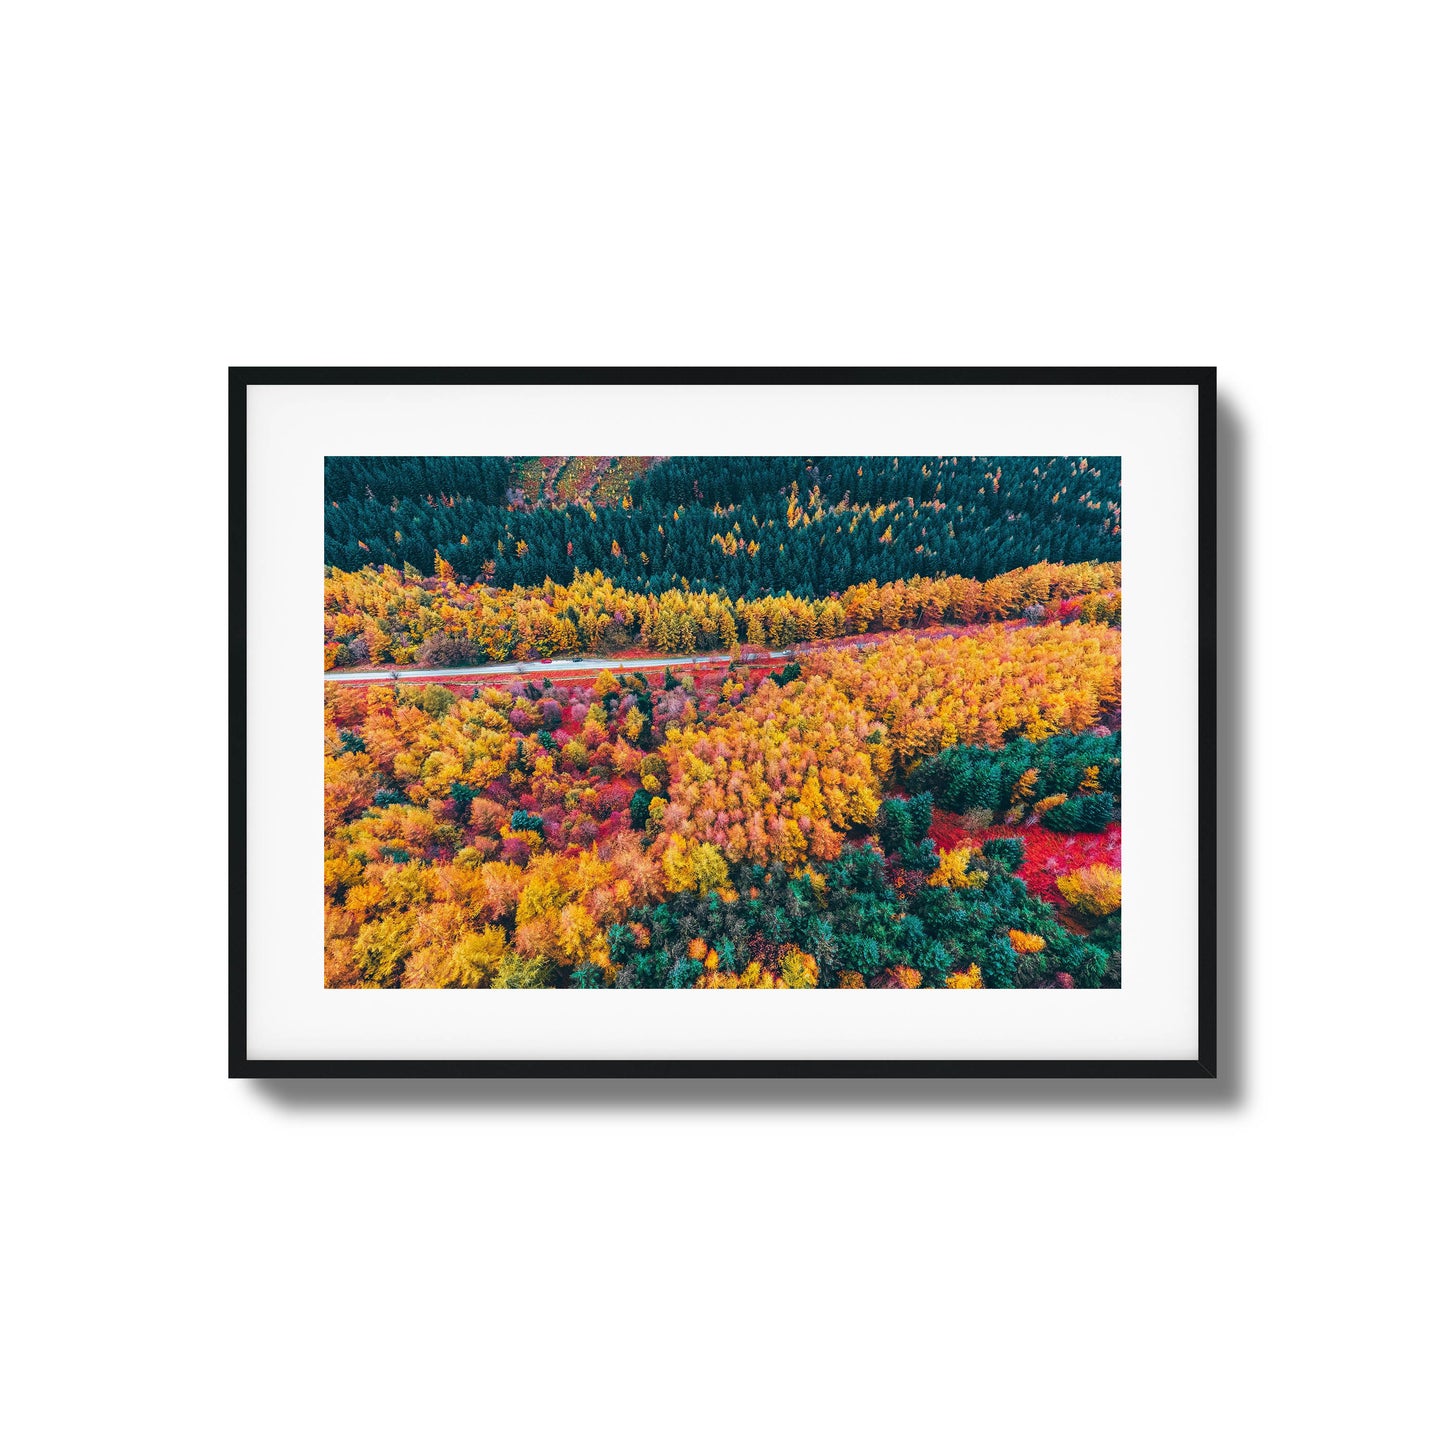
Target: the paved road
(557, 664)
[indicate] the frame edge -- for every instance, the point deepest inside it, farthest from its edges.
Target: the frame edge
(239, 378)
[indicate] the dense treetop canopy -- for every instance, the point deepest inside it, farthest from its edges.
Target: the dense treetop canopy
(736, 827)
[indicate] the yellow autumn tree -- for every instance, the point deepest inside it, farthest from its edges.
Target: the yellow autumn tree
(1097, 889)
(952, 870)
(691, 867)
(798, 969)
(971, 977)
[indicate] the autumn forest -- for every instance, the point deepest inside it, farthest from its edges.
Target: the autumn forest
(691, 722)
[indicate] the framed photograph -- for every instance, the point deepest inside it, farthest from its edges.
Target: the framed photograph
(802, 732)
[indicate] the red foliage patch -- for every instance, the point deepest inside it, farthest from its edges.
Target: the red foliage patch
(948, 830)
(612, 825)
(1047, 855)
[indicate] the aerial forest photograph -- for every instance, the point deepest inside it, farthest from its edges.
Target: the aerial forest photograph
(695, 722)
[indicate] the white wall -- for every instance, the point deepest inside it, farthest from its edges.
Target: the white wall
(194, 1259)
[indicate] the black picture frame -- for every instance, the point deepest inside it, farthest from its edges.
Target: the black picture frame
(1203, 1066)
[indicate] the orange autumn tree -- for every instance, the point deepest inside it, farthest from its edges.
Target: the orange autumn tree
(415, 894)
(473, 924)
(426, 739)
(781, 777)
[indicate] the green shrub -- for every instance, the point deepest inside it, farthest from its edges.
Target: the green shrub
(1007, 852)
(969, 777)
(437, 700)
(902, 821)
(999, 964)
(1088, 813)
